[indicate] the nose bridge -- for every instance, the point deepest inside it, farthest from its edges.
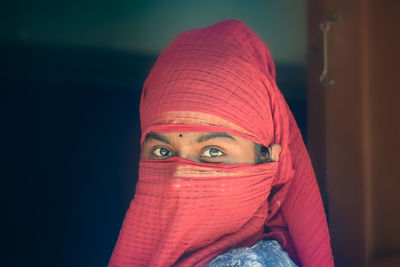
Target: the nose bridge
(186, 152)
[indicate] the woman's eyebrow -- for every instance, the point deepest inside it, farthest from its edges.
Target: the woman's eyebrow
(209, 136)
(157, 136)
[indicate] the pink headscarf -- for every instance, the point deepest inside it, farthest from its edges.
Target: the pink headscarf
(221, 79)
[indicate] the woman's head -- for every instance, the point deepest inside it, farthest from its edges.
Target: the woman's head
(220, 78)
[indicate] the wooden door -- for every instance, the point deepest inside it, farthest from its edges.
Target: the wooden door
(354, 126)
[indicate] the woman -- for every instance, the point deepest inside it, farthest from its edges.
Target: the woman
(224, 171)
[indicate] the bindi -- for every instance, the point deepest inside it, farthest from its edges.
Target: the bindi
(180, 135)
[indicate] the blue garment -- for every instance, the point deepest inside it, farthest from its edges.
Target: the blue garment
(264, 253)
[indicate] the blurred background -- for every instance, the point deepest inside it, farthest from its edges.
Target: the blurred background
(71, 76)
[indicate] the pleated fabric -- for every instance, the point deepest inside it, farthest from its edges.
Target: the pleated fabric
(221, 79)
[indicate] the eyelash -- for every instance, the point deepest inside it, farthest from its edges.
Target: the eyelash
(211, 157)
(161, 157)
(201, 156)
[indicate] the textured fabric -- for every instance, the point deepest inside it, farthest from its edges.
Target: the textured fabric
(221, 79)
(266, 253)
(187, 206)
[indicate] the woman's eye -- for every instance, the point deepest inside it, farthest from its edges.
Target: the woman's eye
(162, 152)
(212, 153)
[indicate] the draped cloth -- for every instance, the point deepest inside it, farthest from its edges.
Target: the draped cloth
(221, 79)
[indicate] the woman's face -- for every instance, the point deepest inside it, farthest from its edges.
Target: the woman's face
(205, 147)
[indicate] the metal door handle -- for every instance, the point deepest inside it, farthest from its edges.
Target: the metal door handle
(325, 27)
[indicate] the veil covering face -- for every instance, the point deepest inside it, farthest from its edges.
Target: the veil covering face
(221, 79)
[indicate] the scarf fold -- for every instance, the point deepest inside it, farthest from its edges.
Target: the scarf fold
(221, 79)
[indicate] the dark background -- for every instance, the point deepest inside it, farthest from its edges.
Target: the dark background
(70, 89)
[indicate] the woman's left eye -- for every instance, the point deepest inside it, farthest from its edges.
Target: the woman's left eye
(212, 153)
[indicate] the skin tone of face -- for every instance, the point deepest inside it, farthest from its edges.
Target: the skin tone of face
(205, 147)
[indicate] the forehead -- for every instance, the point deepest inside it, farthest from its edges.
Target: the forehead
(197, 137)
(194, 138)
(193, 131)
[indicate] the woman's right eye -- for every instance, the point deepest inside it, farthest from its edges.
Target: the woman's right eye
(162, 152)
